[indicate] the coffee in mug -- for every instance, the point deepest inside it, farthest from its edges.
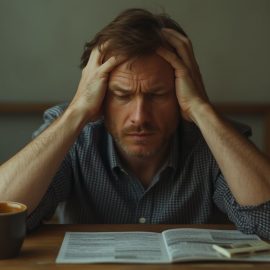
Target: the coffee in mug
(12, 228)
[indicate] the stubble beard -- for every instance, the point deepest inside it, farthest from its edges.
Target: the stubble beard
(124, 148)
(143, 153)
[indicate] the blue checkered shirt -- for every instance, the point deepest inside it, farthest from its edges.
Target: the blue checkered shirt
(92, 186)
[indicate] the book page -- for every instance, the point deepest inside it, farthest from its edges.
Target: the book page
(113, 247)
(196, 244)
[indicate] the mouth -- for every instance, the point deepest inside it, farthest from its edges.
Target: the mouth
(140, 134)
(140, 137)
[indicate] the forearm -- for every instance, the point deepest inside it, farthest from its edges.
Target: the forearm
(27, 175)
(245, 169)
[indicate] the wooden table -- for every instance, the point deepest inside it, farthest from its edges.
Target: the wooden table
(41, 247)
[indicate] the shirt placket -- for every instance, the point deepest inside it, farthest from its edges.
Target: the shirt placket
(143, 209)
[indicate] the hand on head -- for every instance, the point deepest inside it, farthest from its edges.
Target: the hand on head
(189, 86)
(188, 82)
(93, 84)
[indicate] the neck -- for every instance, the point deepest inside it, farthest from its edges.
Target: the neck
(144, 168)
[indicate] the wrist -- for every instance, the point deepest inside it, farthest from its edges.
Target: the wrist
(75, 118)
(200, 111)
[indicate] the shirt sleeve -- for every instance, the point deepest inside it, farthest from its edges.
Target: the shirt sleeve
(248, 219)
(60, 186)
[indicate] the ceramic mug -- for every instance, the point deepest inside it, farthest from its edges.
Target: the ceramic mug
(12, 228)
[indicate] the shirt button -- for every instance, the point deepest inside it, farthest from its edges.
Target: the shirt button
(142, 220)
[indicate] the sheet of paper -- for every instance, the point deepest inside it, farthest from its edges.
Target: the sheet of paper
(196, 244)
(113, 247)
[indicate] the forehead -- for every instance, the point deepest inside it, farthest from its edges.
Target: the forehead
(152, 69)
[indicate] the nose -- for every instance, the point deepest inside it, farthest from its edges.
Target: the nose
(140, 111)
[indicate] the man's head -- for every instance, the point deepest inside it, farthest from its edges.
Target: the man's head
(134, 32)
(141, 110)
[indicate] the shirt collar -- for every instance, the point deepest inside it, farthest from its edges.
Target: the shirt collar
(113, 156)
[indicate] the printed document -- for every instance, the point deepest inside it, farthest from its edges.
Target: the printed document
(174, 245)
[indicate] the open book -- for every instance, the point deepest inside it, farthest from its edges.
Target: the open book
(175, 245)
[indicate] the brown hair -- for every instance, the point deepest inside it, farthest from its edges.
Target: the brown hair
(134, 32)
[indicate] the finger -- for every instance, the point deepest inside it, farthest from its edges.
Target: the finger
(180, 69)
(181, 46)
(176, 34)
(111, 63)
(93, 58)
(174, 60)
(172, 33)
(104, 46)
(180, 36)
(97, 55)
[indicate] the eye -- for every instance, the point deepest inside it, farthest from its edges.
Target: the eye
(122, 97)
(156, 95)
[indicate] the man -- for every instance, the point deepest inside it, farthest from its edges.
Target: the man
(140, 141)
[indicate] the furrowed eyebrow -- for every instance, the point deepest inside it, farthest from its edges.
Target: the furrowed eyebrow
(116, 88)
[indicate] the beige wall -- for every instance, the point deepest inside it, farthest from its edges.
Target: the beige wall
(41, 43)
